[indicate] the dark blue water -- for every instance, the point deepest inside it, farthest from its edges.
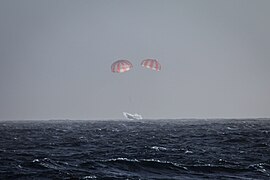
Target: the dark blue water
(153, 149)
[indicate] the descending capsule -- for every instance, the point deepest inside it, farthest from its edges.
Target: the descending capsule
(151, 64)
(121, 66)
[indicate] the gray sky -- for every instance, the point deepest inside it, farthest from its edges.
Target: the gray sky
(55, 58)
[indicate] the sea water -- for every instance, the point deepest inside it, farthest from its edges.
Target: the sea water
(145, 149)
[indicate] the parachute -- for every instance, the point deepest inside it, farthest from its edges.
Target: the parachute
(121, 66)
(151, 64)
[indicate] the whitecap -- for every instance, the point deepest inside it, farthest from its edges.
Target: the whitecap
(120, 159)
(188, 152)
(157, 148)
(35, 160)
(89, 177)
(259, 167)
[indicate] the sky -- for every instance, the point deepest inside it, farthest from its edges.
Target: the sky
(55, 59)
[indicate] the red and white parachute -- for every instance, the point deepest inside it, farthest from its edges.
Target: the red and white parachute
(121, 66)
(151, 64)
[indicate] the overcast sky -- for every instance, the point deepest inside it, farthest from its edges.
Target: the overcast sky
(55, 58)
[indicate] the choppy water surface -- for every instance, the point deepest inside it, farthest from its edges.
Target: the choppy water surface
(153, 149)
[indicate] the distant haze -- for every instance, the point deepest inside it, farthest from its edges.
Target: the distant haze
(55, 58)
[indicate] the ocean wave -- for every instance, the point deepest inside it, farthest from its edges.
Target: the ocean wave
(158, 148)
(131, 164)
(261, 167)
(51, 164)
(237, 140)
(151, 167)
(89, 177)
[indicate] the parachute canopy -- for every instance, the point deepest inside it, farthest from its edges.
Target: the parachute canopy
(151, 64)
(121, 66)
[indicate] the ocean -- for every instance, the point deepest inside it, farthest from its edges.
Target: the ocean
(145, 149)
